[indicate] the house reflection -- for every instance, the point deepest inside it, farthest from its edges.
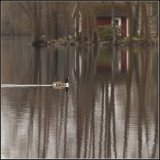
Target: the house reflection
(120, 64)
(103, 60)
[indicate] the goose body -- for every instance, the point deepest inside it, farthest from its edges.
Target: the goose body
(61, 84)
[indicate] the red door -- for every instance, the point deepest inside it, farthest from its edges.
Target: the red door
(124, 26)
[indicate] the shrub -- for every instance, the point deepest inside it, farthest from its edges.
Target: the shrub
(106, 33)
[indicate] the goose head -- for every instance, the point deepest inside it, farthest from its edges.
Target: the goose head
(67, 79)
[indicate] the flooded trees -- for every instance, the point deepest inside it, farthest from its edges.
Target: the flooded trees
(83, 35)
(154, 17)
(66, 13)
(55, 19)
(36, 21)
(144, 31)
(76, 16)
(92, 29)
(33, 11)
(139, 14)
(85, 22)
(136, 19)
(51, 19)
(114, 27)
(48, 17)
(131, 18)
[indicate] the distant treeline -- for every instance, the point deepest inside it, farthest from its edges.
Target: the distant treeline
(53, 20)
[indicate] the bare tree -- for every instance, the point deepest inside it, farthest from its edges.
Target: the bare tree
(48, 17)
(136, 19)
(66, 13)
(55, 7)
(154, 17)
(144, 31)
(83, 12)
(77, 15)
(94, 31)
(89, 25)
(86, 19)
(114, 27)
(33, 10)
(131, 17)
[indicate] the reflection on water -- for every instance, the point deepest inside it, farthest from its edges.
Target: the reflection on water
(109, 111)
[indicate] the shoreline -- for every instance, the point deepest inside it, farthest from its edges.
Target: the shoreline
(72, 42)
(63, 42)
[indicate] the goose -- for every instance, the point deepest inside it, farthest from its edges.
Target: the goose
(60, 84)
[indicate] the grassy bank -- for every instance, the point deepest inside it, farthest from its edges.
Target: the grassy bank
(121, 42)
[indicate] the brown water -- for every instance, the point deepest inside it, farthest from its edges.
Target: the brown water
(109, 111)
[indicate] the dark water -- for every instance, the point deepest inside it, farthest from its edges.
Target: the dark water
(110, 111)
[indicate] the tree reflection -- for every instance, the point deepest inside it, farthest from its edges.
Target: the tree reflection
(143, 77)
(112, 102)
(128, 101)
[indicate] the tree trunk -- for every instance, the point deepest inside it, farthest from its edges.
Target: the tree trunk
(93, 29)
(89, 24)
(131, 18)
(93, 38)
(55, 19)
(55, 26)
(83, 12)
(77, 26)
(136, 20)
(48, 27)
(96, 30)
(66, 20)
(36, 21)
(114, 27)
(144, 22)
(147, 32)
(83, 35)
(88, 28)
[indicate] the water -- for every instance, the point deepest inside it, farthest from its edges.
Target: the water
(110, 109)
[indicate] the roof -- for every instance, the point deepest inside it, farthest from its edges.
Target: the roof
(103, 9)
(74, 11)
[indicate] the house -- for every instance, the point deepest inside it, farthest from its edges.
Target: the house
(103, 13)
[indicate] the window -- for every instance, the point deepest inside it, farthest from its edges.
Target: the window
(117, 22)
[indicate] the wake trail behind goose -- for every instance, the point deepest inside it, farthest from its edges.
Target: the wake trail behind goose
(25, 85)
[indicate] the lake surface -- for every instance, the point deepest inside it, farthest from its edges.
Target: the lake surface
(110, 109)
